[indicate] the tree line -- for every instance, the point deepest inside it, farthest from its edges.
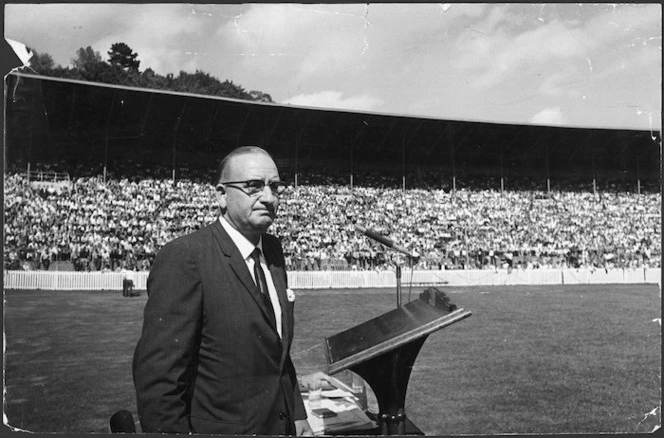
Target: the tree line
(122, 68)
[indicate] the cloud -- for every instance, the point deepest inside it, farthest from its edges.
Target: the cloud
(495, 59)
(549, 116)
(160, 34)
(335, 99)
(166, 38)
(504, 44)
(304, 41)
(320, 46)
(471, 61)
(563, 82)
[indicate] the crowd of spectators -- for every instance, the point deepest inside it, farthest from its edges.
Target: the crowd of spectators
(123, 222)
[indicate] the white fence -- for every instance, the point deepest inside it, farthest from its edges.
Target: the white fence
(471, 277)
(59, 280)
(63, 280)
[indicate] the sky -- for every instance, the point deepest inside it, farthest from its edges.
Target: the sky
(585, 65)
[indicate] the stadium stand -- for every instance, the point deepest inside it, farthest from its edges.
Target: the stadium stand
(460, 194)
(121, 224)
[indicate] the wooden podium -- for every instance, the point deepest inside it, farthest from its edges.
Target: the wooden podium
(382, 351)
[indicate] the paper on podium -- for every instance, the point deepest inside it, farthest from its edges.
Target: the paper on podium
(344, 404)
(337, 393)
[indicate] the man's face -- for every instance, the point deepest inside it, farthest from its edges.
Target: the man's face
(250, 215)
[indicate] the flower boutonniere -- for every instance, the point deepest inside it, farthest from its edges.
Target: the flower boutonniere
(291, 295)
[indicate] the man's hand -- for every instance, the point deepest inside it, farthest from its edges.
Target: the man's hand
(302, 428)
(316, 380)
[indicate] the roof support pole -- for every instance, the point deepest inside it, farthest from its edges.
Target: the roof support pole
(403, 152)
(548, 174)
(403, 165)
(274, 127)
(438, 139)
(353, 141)
(175, 135)
(352, 146)
(502, 174)
(638, 177)
(72, 110)
(212, 122)
(244, 123)
(387, 135)
(147, 114)
(594, 175)
(31, 136)
(298, 139)
(332, 131)
(297, 150)
(450, 143)
(108, 128)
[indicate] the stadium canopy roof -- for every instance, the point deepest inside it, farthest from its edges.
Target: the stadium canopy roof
(101, 122)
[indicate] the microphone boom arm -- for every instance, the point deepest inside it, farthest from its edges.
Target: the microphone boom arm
(382, 239)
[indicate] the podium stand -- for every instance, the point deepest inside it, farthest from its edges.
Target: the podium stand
(382, 351)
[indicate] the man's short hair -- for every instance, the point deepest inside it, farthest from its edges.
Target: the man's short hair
(242, 150)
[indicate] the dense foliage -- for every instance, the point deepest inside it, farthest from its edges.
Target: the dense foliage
(122, 68)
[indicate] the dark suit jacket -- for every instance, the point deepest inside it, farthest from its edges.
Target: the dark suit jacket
(209, 360)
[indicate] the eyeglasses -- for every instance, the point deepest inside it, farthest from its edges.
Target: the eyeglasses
(255, 187)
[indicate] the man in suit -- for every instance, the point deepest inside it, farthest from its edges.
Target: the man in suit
(214, 351)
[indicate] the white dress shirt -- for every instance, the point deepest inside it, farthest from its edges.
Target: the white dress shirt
(246, 248)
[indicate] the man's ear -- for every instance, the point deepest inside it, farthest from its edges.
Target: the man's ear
(221, 197)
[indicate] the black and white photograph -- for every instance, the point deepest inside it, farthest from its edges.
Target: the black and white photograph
(320, 219)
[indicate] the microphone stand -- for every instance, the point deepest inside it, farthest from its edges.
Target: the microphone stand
(390, 244)
(398, 275)
(398, 269)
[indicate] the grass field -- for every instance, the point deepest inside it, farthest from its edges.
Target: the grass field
(564, 359)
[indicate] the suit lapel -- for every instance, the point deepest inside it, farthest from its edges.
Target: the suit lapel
(239, 266)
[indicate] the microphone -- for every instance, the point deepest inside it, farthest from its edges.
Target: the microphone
(382, 239)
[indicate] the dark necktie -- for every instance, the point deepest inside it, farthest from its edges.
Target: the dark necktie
(261, 282)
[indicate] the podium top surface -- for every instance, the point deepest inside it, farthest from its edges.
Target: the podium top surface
(387, 332)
